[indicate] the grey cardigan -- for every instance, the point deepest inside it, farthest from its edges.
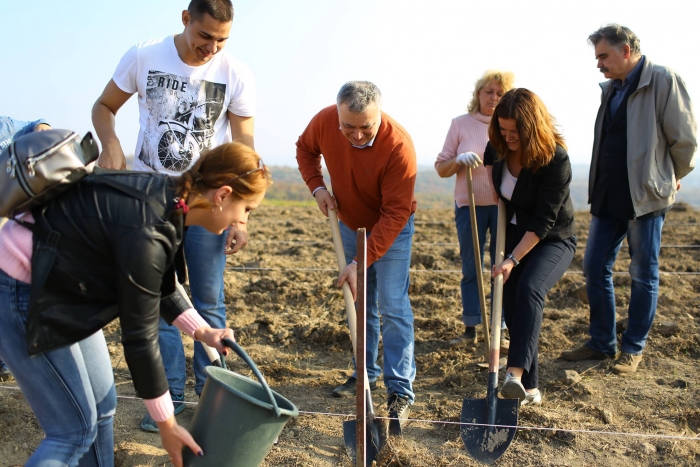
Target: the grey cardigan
(661, 137)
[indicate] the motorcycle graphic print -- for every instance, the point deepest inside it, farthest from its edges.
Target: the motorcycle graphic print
(181, 117)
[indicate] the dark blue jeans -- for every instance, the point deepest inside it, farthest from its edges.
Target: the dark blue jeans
(604, 241)
(523, 298)
(70, 390)
(486, 220)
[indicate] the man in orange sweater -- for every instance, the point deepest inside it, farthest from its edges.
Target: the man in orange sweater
(372, 166)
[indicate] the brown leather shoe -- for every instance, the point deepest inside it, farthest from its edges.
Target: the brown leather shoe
(583, 353)
(626, 364)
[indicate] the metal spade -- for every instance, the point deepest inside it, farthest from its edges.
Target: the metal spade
(485, 442)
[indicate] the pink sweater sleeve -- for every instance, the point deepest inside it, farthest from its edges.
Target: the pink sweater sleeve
(189, 321)
(161, 408)
(449, 149)
(469, 133)
(16, 243)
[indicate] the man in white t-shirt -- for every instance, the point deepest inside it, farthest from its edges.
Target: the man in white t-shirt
(191, 94)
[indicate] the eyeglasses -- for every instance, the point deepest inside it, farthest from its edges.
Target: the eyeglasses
(261, 167)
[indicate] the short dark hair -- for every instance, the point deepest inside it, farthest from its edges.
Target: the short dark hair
(220, 10)
(617, 36)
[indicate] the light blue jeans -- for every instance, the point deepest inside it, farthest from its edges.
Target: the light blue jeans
(604, 240)
(204, 252)
(11, 129)
(486, 219)
(387, 288)
(71, 390)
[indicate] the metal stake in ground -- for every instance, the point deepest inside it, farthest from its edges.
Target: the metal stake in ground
(487, 443)
(360, 446)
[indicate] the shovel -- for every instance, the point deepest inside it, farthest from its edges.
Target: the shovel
(477, 264)
(363, 440)
(487, 443)
(480, 277)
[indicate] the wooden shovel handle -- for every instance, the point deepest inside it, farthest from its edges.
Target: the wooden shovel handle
(350, 313)
(497, 303)
(213, 354)
(477, 264)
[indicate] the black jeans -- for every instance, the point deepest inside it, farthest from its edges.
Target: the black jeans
(523, 297)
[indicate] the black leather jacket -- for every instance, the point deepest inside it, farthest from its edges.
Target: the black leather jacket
(101, 253)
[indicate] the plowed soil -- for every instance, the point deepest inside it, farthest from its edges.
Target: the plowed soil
(290, 319)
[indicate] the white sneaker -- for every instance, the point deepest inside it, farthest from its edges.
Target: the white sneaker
(534, 398)
(512, 388)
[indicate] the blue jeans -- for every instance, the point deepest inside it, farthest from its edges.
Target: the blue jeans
(71, 389)
(387, 287)
(11, 129)
(204, 252)
(486, 219)
(604, 240)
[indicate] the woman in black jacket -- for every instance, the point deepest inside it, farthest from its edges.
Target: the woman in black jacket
(531, 173)
(103, 250)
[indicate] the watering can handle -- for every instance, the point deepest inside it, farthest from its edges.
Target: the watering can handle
(241, 353)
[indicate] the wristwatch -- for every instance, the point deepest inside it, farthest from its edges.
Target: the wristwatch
(512, 258)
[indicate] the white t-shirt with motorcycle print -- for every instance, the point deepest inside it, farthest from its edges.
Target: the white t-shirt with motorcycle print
(182, 108)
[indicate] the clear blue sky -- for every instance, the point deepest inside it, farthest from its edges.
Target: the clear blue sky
(425, 56)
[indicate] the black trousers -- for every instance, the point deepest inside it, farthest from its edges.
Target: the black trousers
(523, 297)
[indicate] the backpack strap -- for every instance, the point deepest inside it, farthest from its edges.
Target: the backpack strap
(155, 204)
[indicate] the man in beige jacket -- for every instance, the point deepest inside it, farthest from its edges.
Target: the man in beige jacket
(645, 142)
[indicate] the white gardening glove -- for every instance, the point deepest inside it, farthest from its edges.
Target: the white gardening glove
(469, 159)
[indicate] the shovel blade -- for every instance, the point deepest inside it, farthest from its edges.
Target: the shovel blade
(376, 439)
(486, 444)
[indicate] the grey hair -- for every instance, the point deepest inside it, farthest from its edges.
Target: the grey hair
(358, 95)
(617, 36)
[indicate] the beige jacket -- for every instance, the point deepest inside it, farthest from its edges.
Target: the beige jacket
(661, 137)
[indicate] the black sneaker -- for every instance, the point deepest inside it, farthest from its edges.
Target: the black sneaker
(468, 338)
(399, 409)
(349, 388)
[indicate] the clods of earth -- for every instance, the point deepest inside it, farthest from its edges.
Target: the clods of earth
(289, 316)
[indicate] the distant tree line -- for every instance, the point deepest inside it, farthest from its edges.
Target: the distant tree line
(435, 192)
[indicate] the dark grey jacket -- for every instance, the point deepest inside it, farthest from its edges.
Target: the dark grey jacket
(100, 254)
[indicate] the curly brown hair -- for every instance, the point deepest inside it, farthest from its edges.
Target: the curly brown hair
(537, 131)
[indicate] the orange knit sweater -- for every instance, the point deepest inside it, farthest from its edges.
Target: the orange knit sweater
(373, 185)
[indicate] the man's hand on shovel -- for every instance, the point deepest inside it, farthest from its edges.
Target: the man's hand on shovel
(349, 275)
(325, 201)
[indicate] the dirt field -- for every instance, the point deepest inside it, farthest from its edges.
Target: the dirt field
(292, 325)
